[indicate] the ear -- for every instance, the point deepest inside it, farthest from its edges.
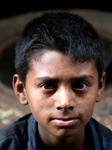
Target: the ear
(19, 89)
(101, 87)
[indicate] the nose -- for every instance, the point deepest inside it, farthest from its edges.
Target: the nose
(65, 100)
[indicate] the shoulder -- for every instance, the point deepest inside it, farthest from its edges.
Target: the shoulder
(12, 135)
(101, 130)
(14, 128)
(101, 135)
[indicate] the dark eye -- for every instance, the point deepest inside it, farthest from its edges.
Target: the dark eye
(80, 86)
(48, 86)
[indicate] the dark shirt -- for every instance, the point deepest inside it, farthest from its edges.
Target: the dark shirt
(23, 135)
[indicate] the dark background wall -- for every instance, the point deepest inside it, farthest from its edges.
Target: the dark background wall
(11, 8)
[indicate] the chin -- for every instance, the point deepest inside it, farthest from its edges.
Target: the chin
(64, 133)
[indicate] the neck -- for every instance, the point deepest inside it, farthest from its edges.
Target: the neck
(64, 143)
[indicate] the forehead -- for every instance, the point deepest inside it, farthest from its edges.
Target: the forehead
(54, 63)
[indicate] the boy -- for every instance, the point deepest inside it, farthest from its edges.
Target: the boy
(59, 63)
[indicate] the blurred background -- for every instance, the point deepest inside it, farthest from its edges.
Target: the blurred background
(14, 16)
(11, 8)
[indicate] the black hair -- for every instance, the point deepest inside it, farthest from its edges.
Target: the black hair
(64, 32)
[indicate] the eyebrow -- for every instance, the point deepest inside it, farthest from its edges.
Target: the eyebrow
(46, 79)
(83, 77)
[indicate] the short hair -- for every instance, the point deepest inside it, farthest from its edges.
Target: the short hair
(60, 31)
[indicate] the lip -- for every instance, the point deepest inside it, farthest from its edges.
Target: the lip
(65, 122)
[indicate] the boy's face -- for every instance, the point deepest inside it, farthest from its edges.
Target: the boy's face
(61, 93)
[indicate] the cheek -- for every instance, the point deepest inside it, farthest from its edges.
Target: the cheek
(86, 107)
(39, 105)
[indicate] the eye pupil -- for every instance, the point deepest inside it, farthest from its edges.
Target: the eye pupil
(79, 86)
(48, 86)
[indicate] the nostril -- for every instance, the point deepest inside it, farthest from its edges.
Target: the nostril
(59, 108)
(71, 107)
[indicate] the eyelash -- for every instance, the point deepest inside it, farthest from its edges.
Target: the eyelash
(78, 86)
(48, 84)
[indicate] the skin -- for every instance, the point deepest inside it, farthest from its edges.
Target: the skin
(61, 94)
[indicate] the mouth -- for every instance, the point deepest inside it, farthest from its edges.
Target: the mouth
(64, 122)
